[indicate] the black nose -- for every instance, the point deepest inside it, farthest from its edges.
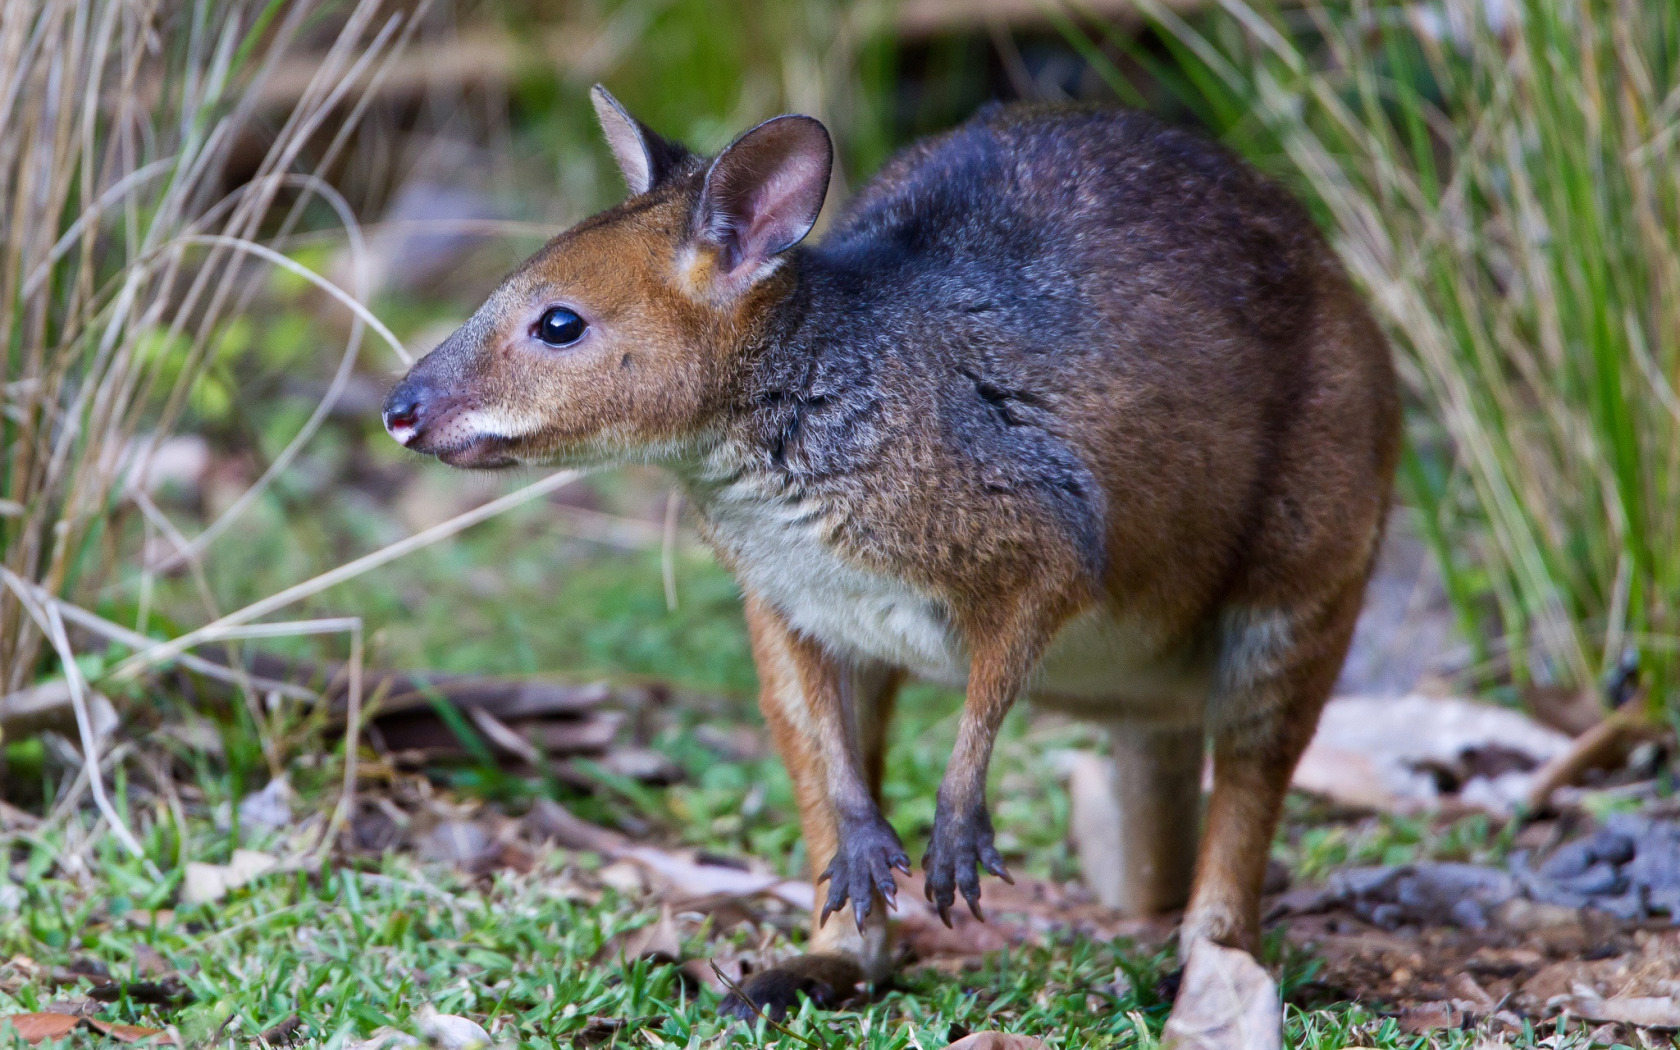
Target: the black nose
(402, 413)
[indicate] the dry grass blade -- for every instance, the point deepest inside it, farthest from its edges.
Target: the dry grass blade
(120, 269)
(52, 625)
(114, 124)
(224, 627)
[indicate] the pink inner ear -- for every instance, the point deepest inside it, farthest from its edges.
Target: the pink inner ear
(779, 206)
(764, 192)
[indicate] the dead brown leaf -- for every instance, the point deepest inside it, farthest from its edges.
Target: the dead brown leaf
(1411, 753)
(1566, 709)
(131, 1033)
(148, 963)
(1468, 995)
(550, 820)
(170, 991)
(1605, 745)
(682, 872)
(658, 942)
(463, 843)
(451, 1031)
(283, 1033)
(642, 764)
(1418, 1018)
(1226, 1001)
(15, 819)
(1641, 1011)
(206, 883)
(718, 973)
(78, 969)
(600, 1030)
(38, 1028)
(996, 1041)
(47, 706)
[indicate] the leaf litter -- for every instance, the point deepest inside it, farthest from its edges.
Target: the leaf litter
(49, 1026)
(1435, 945)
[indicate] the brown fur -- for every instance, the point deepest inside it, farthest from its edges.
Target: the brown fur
(1141, 393)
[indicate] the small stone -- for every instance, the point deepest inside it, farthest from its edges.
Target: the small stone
(1469, 914)
(1569, 860)
(451, 1032)
(1601, 879)
(1612, 847)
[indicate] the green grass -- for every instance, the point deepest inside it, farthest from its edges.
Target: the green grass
(351, 951)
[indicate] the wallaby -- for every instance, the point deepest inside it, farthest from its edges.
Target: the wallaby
(1067, 403)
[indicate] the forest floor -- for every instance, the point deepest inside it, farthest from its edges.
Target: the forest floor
(579, 892)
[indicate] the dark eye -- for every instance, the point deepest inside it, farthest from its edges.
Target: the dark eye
(559, 326)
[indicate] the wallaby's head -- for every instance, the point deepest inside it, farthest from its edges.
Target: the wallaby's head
(621, 338)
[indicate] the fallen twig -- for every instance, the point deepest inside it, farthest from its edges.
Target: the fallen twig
(1594, 749)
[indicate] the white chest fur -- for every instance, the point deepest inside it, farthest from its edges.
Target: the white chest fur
(784, 553)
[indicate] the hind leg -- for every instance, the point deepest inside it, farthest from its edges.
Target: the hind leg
(1276, 672)
(1137, 830)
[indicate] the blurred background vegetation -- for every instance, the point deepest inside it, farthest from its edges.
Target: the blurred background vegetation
(226, 224)
(225, 220)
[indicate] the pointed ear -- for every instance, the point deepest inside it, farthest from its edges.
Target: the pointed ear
(763, 193)
(643, 156)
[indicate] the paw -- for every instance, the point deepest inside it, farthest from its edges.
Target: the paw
(827, 980)
(1230, 926)
(863, 867)
(961, 844)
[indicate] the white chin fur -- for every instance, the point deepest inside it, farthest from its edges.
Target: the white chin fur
(488, 423)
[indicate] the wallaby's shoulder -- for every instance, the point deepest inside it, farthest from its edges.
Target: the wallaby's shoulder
(1063, 160)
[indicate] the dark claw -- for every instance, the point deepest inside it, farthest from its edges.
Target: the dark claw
(960, 847)
(862, 868)
(992, 861)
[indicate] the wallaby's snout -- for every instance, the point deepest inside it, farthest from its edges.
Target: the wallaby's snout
(438, 410)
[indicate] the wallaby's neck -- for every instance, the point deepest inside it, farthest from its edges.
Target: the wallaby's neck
(806, 390)
(819, 333)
